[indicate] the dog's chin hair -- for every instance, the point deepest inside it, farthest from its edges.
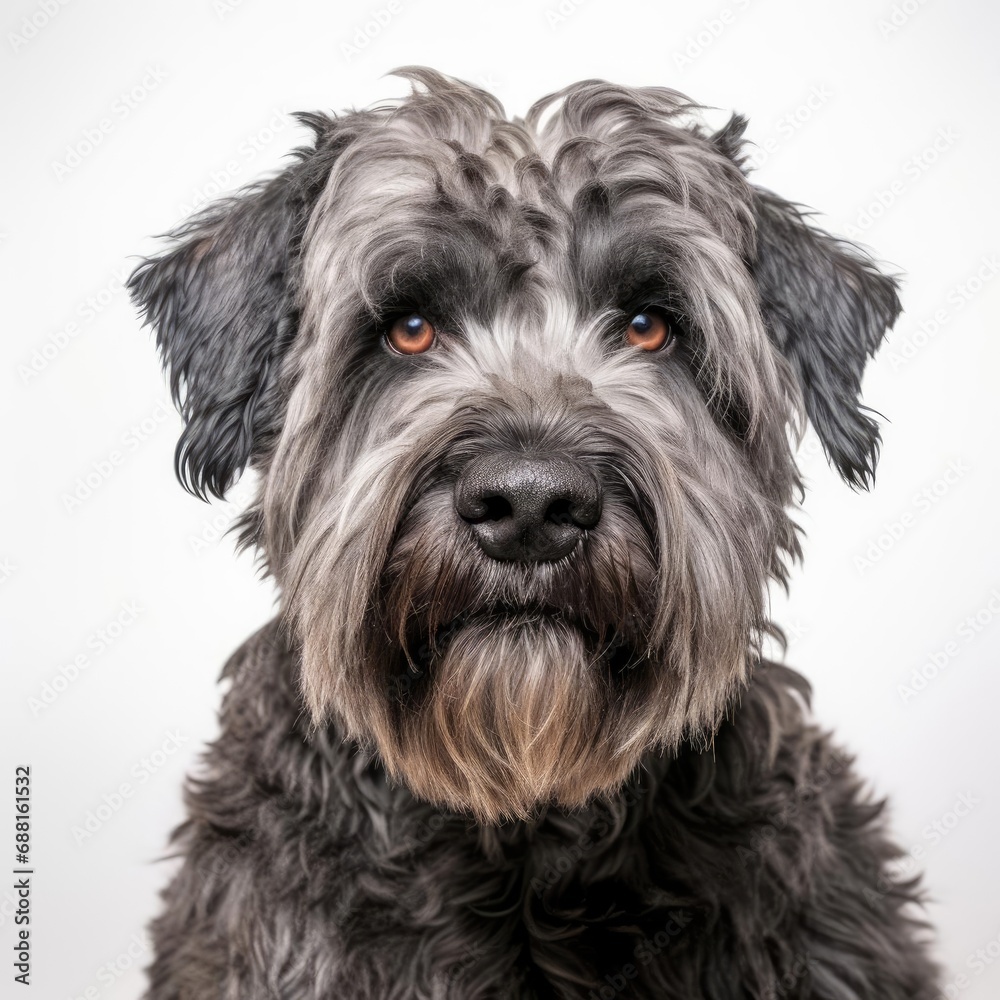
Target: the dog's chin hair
(521, 711)
(515, 715)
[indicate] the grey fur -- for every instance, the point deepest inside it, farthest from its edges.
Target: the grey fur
(513, 778)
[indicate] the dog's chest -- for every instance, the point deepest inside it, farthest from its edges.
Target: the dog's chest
(529, 905)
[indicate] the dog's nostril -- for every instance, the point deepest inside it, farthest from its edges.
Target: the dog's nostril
(477, 509)
(559, 512)
(581, 508)
(496, 508)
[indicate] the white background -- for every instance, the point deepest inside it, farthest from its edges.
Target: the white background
(196, 95)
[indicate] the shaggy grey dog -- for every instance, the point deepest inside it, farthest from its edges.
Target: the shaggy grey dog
(522, 396)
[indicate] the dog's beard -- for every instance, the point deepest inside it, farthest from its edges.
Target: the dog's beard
(513, 714)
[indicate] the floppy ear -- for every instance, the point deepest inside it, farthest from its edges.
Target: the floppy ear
(222, 305)
(827, 307)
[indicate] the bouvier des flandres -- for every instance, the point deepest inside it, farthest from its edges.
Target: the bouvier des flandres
(522, 397)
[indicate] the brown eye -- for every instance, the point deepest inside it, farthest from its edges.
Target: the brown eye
(411, 334)
(648, 330)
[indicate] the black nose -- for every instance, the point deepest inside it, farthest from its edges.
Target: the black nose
(531, 508)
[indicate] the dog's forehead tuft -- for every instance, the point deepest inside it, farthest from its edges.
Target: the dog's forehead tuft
(643, 149)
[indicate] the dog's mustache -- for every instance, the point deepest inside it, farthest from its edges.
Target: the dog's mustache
(619, 649)
(437, 582)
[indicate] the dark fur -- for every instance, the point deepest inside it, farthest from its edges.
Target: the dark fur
(756, 868)
(462, 777)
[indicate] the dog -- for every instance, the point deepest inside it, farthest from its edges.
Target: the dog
(523, 397)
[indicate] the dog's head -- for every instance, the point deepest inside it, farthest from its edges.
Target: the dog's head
(521, 394)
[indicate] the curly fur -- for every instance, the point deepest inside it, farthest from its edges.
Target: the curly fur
(755, 868)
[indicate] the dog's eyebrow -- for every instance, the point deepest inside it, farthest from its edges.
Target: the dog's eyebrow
(626, 270)
(447, 272)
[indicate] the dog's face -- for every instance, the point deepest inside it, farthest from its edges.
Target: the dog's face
(521, 395)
